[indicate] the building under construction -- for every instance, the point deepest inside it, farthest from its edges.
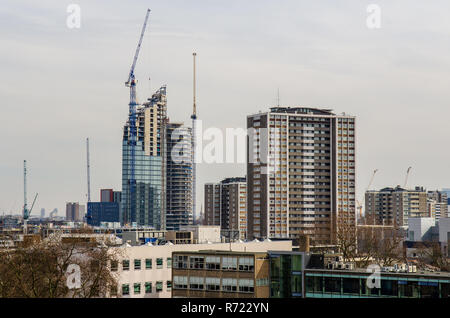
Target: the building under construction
(146, 206)
(179, 176)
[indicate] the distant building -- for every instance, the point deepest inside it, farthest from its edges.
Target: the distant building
(438, 203)
(106, 195)
(103, 212)
(393, 206)
(74, 212)
(428, 231)
(225, 206)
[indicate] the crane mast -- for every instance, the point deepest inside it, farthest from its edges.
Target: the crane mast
(406, 178)
(25, 207)
(88, 166)
(194, 135)
(131, 83)
(88, 170)
(360, 204)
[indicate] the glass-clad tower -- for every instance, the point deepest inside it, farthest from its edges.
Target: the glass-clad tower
(146, 207)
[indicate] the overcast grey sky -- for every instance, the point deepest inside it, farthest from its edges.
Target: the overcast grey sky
(61, 85)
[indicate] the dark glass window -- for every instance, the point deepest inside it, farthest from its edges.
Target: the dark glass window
(429, 289)
(389, 288)
(332, 284)
(350, 285)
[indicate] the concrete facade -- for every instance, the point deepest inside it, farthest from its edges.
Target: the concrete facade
(300, 173)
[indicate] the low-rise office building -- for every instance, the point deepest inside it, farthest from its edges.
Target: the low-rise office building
(325, 283)
(220, 274)
(146, 270)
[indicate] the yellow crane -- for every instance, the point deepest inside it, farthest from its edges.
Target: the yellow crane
(360, 204)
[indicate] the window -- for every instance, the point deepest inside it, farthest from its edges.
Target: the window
(148, 263)
(148, 287)
(114, 266)
(229, 263)
(137, 264)
(246, 285)
(159, 263)
(125, 265)
(332, 285)
(196, 262)
(113, 291)
(389, 288)
(212, 262)
(169, 285)
(125, 289)
(196, 282)
(428, 289)
(246, 264)
(350, 285)
(229, 284)
(314, 284)
(159, 287)
(137, 288)
(169, 262)
(212, 283)
(262, 282)
(180, 282)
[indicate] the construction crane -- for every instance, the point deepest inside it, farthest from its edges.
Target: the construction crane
(26, 211)
(88, 167)
(406, 178)
(360, 204)
(131, 83)
(194, 135)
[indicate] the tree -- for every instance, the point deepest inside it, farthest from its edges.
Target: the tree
(40, 269)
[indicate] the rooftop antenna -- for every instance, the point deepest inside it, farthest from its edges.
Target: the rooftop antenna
(194, 135)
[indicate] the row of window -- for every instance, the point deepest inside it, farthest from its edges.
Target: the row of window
(148, 288)
(217, 284)
(214, 263)
(137, 264)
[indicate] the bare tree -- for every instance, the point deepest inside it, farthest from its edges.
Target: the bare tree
(39, 269)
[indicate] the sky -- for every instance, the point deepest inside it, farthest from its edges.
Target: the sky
(61, 85)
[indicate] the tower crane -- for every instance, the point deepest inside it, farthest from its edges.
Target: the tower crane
(131, 83)
(26, 211)
(360, 204)
(88, 168)
(407, 175)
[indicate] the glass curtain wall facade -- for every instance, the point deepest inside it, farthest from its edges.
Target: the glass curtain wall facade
(286, 272)
(147, 206)
(346, 285)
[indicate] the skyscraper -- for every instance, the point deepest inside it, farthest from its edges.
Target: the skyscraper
(300, 173)
(147, 206)
(179, 176)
